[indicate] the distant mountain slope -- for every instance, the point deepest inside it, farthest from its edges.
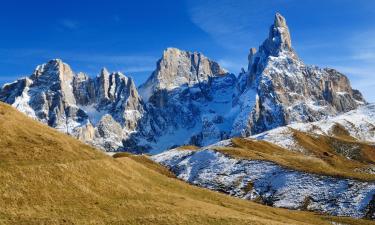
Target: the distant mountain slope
(50, 178)
(188, 99)
(326, 166)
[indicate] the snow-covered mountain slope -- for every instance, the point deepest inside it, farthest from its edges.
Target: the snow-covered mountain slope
(271, 184)
(325, 166)
(188, 99)
(358, 124)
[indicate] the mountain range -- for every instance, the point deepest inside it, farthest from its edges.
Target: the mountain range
(188, 99)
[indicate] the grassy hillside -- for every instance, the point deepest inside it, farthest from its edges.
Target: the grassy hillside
(49, 178)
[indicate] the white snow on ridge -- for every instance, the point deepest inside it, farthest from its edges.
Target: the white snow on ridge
(21, 103)
(94, 115)
(360, 123)
(275, 185)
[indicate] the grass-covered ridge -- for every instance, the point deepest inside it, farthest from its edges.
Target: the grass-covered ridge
(49, 178)
(339, 156)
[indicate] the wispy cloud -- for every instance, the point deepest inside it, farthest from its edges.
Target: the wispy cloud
(235, 24)
(226, 21)
(363, 46)
(69, 24)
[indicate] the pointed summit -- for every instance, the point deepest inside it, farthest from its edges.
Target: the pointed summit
(278, 39)
(280, 29)
(54, 69)
(103, 83)
(104, 72)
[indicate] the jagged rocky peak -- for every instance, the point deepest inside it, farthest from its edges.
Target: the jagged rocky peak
(289, 91)
(54, 69)
(280, 30)
(114, 85)
(278, 43)
(278, 39)
(103, 83)
(55, 75)
(77, 103)
(177, 68)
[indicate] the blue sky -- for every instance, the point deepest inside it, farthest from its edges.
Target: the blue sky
(129, 36)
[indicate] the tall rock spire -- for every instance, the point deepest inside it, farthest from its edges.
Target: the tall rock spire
(278, 39)
(280, 30)
(103, 84)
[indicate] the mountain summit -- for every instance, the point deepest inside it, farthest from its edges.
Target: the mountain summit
(177, 68)
(279, 37)
(288, 90)
(188, 99)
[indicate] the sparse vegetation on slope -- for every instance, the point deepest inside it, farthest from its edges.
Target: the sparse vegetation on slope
(325, 155)
(49, 178)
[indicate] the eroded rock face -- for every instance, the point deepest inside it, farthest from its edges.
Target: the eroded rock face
(188, 99)
(101, 111)
(177, 68)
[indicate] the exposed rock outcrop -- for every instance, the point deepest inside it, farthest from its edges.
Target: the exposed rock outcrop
(177, 68)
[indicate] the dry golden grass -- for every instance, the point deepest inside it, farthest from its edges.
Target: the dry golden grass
(323, 157)
(188, 147)
(49, 178)
(147, 162)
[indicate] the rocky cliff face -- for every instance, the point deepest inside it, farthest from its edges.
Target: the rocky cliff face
(289, 91)
(188, 99)
(101, 111)
(177, 68)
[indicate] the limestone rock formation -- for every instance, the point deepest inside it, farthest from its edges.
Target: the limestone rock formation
(92, 109)
(177, 68)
